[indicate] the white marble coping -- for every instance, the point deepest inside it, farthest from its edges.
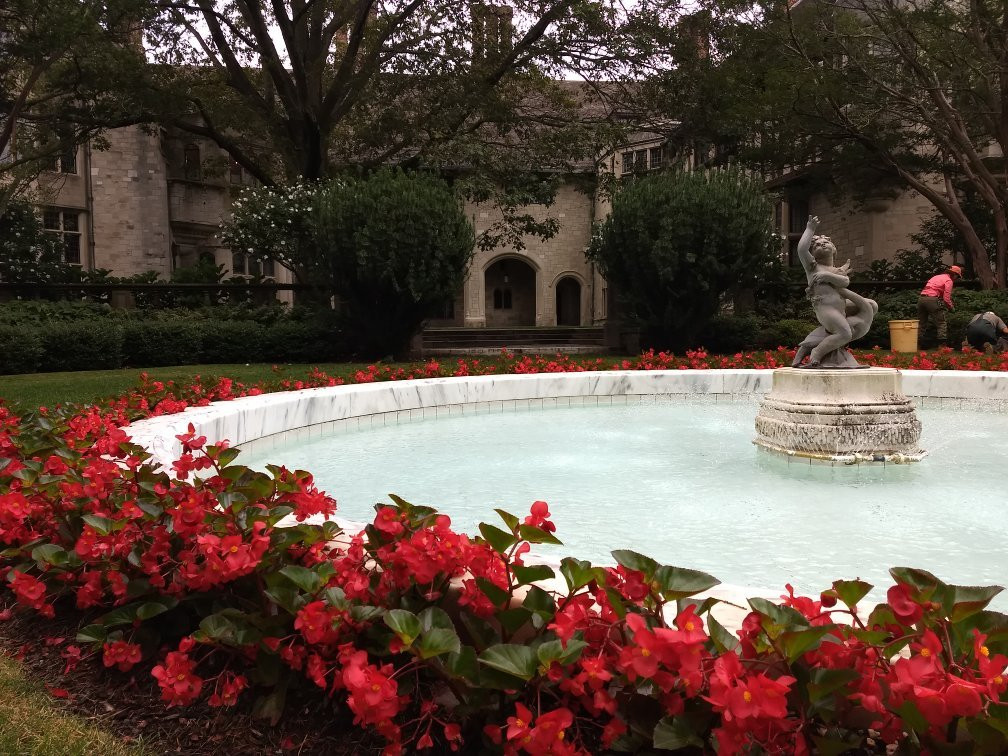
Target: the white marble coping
(260, 420)
(288, 415)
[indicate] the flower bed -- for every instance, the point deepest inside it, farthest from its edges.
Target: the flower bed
(439, 640)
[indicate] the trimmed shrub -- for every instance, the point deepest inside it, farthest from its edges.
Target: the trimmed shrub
(315, 337)
(87, 345)
(232, 341)
(729, 334)
(83, 336)
(393, 246)
(789, 333)
(302, 342)
(153, 343)
(676, 243)
(36, 312)
(21, 349)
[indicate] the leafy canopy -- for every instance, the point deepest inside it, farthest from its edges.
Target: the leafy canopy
(864, 99)
(68, 70)
(304, 90)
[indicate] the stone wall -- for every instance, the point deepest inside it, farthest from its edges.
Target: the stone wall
(551, 259)
(130, 204)
(876, 231)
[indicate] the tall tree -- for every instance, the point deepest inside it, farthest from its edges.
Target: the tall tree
(68, 70)
(304, 88)
(867, 96)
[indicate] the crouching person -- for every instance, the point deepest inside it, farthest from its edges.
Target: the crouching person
(987, 332)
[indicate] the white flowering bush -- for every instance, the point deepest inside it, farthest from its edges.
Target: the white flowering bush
(274, 222)
(392, 247)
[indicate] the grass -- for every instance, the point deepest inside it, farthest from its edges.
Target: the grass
(30, 723)
(47, 389)
(32, 390)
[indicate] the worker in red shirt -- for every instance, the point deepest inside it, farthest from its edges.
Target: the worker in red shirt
(934, 299)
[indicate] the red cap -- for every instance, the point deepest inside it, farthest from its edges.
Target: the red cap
(955, 269)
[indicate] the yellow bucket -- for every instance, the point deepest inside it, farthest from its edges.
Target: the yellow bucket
(903, 335)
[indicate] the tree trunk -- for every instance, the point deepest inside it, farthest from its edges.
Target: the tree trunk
(313, 161)
(1001, 236)
(980, 259)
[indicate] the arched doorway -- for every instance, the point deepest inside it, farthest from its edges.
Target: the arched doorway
(510, 294)
(568, 302)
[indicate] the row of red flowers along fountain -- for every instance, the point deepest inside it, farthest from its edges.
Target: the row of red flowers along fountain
(439, 640)
(153, 397)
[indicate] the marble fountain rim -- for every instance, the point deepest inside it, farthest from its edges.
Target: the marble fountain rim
(346, 402)
(247, 420)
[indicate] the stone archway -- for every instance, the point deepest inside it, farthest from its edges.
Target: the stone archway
(568, 301)
(510, 293)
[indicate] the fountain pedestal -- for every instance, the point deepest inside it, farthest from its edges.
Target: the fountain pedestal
(848, 416)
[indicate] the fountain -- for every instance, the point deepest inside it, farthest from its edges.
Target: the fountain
(656, 460)
(831, 408)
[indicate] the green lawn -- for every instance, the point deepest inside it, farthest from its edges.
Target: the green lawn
(47, 389)
(30, 723)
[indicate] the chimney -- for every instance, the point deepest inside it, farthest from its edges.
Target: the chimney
(696, 28)
(492, 31)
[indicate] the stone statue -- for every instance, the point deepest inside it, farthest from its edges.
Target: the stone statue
(842, 314)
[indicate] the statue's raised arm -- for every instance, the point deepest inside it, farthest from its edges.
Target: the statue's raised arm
(808, 262)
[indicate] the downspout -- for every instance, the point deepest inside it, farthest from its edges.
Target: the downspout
(591, 230)
(163, 152)
(89, 206)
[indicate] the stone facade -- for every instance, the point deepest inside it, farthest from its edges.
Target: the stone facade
(876, 229)
(150, 201)
(129, 214)
(154, 201)
(533, 273)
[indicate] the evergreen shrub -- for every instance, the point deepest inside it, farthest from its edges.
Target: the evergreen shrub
(229, 341)
(21, 349)
(154, 343)
(676, 243)
(85, 345)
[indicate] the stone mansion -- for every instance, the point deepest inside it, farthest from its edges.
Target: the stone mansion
(154, 201)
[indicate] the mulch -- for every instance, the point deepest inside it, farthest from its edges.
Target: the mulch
(128, 705)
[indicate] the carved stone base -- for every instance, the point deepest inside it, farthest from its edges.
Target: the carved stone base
(837, 359)
(846, 416)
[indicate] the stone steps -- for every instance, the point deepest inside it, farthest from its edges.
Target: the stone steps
(521, 340)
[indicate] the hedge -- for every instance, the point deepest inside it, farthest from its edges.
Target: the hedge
(38, 313)
(109, 343)
(21, 348)
(87, 345)
(156, 344)
(56, 336)
(776, 323)
(728, 334)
